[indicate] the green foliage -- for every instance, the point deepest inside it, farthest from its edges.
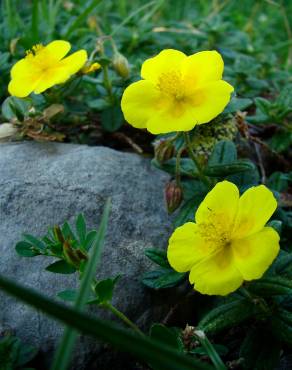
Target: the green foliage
(165, 276)
(15, 354)
(142, 347)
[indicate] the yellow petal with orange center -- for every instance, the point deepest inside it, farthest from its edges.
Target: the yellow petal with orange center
(255, 253)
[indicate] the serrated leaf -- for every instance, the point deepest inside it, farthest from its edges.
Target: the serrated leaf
(26, 249)
(162, 279)
(61, 267)
(158, 256)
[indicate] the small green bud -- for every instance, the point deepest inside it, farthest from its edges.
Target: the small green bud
(173, 196)
(121, 65)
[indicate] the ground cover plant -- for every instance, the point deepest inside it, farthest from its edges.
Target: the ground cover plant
(203, 89)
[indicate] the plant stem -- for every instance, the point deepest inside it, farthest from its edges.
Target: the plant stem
(122, 317)
(209, 348)
(192, 155)
(177, 166)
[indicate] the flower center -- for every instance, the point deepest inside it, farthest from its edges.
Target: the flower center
(173, 85)
(34, 50)
(215, 234)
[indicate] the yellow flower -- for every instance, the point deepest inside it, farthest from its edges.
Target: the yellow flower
(44, 67)
(229, 242)
(177, 92)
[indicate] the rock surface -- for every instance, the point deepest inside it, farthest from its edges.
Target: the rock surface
(46, 184)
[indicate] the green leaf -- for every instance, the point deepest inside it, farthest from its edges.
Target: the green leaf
(226, 315)
(104, 290)
(224, 152)
(143, 348)
(25, 249)
(238, 104)
(260, 350)
(278, 181)
(15, 108)
(63, 354)
(14, 353)
(69, 295)
(276, 225)
(112, 118)
(163, 278)
(283, 264)
(270, 286)
(89, 240)
(222, 170)
(81, 228)
(67, 232)
(158, 256)
(61, 267)
(169, 336)
(36, 242)
(281, 325)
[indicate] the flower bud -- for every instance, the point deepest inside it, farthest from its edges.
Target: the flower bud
(90, 67)
(164, 150)
(173, 196)
(121, 65)
(73, 256)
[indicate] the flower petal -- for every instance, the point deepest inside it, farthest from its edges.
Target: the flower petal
(219, 206)
(139, 103)
(216, 275)
(254, 254)
(24, 79)
(168, 60)
(58, 49)
(62, 71)
(171, 119)
(202, 67)
(210, 100)
(186, 247)
(256, 206)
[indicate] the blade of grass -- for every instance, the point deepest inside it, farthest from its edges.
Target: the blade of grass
(142, 347)
(131, 15)
(63, 354)
(74, 25)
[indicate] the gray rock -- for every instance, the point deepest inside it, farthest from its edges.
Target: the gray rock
(46, 184)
